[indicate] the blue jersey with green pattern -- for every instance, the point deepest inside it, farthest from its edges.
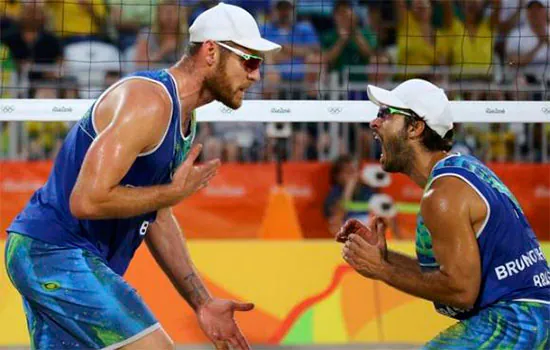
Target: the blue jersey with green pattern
(47, 216)
(512, 262)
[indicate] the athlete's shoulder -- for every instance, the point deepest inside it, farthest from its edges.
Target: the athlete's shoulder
(444, 194)
(134, 100)
(142, 92)
(452, 197)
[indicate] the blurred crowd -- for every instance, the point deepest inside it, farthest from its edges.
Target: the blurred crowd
(331, 49)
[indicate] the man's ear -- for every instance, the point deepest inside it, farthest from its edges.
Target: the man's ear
(416, 128)
(210, 51)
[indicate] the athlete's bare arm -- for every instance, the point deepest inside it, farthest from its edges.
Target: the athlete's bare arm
(447, 209)
(131, 120)
(167, 244)
(452, 212)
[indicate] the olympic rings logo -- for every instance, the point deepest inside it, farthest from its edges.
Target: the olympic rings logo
(7, 108)
(334, 110)
(226, 110)
(545, 110)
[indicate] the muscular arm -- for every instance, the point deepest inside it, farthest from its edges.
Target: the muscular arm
(128, 123)
(447, 212)
(167, 244)
(403, 262)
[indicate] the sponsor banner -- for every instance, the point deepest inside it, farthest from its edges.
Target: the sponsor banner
(289, 111)
(234, 204)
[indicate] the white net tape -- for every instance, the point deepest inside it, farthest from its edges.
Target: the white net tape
(289, 111)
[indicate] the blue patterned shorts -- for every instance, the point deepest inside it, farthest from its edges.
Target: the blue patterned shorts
(72, 299)
(505, 325)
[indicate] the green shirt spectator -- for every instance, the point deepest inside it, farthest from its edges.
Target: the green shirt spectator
(351, 54)
(347, 44)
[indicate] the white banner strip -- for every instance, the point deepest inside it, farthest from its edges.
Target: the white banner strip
(289, 111)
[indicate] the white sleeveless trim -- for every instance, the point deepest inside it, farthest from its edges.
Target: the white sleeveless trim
(104, 93)
(488, 215)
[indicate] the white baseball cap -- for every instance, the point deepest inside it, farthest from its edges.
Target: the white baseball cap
(425, 99)
(225, 22)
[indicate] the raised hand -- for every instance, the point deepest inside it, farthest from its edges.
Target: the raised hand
(190, 178)
(378, 226)
(349, 227)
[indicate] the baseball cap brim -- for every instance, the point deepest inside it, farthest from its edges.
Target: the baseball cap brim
(384, 97)
(258, 44)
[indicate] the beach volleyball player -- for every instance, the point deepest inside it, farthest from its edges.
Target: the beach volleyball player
(477, 258)
(120, 169)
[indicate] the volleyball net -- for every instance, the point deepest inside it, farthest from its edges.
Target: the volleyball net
(490, 56)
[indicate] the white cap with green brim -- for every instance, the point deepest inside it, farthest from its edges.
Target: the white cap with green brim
(425, 99)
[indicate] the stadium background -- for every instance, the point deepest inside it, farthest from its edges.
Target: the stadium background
(252, 237)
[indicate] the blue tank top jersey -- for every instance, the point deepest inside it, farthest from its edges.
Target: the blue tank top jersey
(47, 217)
(513, 266)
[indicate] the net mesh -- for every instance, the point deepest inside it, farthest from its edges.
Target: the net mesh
(494, 50)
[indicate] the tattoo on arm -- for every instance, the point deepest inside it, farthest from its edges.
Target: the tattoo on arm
(193, 291)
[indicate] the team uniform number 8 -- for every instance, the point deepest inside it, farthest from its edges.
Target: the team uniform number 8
(143, 228)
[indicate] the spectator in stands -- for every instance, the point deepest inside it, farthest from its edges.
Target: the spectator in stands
(300, 46)
(528, 46)
(346, 188)
(7, 73)
(233, 141)
(348, 44)
(10, 11)
(419, 42)
(512, 17)
(33, 44)
(45, 138)
(164, 42)
(300, 51)
(88, 37)
(499, 143)
(380, 17)
(464, 141)
(69, 88)
(80, 21)
(129, 17)
(475, 35)
(528, 53)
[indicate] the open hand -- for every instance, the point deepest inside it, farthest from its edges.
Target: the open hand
(217, 322)
(190, 178)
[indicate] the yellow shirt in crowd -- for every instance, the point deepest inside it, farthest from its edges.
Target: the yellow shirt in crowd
(473, 51)
(415, 49)
(10, 9)
(72, 18)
